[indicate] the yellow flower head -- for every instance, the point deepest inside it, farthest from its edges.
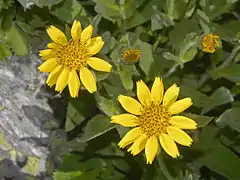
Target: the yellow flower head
(155, 120)
(131, 55)
(210, 42)
(68, 60)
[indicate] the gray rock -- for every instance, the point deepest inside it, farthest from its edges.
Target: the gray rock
(24, 114)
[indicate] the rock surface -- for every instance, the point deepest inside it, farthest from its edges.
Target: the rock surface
(24, 114)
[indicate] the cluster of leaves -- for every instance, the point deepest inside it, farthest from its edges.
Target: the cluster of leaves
(168, 34)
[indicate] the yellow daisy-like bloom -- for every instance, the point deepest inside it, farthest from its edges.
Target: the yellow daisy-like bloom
(210, 42)
(68, 60)
(155, 120)
(131, 55)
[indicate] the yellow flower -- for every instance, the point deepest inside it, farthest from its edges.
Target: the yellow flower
(131, 55)
(67, 61)
(155, 120)
(210, 42)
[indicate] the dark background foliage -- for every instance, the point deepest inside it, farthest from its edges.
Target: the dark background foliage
(168, 35)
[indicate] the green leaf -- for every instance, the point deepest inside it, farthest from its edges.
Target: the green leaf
(68, 10)
(114, 86)
(130, 6)
(160, 65)
(207, 138)
(73, 167)
(188, 48)
(18, 40)
(6, 19)
(108, 106)
(217, 157)
(227, 31)
(122, 130)
(230, 118)
(4, 52)
(186, 51)
(221, 96)
(109, 42)
(159, 20)
(143, 14)
(66, 175)
(171, 56)
(126, 74)
(223, 161)
(28, 4)
(126, 77)
(190, 9)
(80, 109)
(5, 4)
(204, 21)
(109, 9)
(100, 76)
(146, 58)
(220, 7)
(75, 162)
(231, 73)
(200, 120)
(180, 31)
(199, 99)
(48, 3)
(97, 126)
(175, 8)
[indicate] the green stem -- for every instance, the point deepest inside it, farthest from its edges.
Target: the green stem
(203, 80)
(171, 71)
(164, 168)
(155, 45)
(230, 58)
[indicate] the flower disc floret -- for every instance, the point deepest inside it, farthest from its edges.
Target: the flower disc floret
(154, 119)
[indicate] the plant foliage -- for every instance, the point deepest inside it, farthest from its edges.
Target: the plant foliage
(168, 34)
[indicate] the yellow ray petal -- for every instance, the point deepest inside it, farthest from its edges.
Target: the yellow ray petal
(53, 76)
(180, 106)
(171, 95)
(73, 83)
(88, 79)
(179, 136)
(86, 33)
(157, 91)
(54, 46)
(169, 145)
(130, 105)
(96, 46)
(127, 120)
(47, 54)
(57, 35)
(151, 149)
(138, 145)
(130, 137)
(48, 65)
(183, 122)
(99, 64)
(62, 80)
(143, 93)
(91, 41)
(76, 30)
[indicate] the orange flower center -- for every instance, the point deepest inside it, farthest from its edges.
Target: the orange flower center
(74, 55)
(154, 119)
(131, 55)
(210, 42)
